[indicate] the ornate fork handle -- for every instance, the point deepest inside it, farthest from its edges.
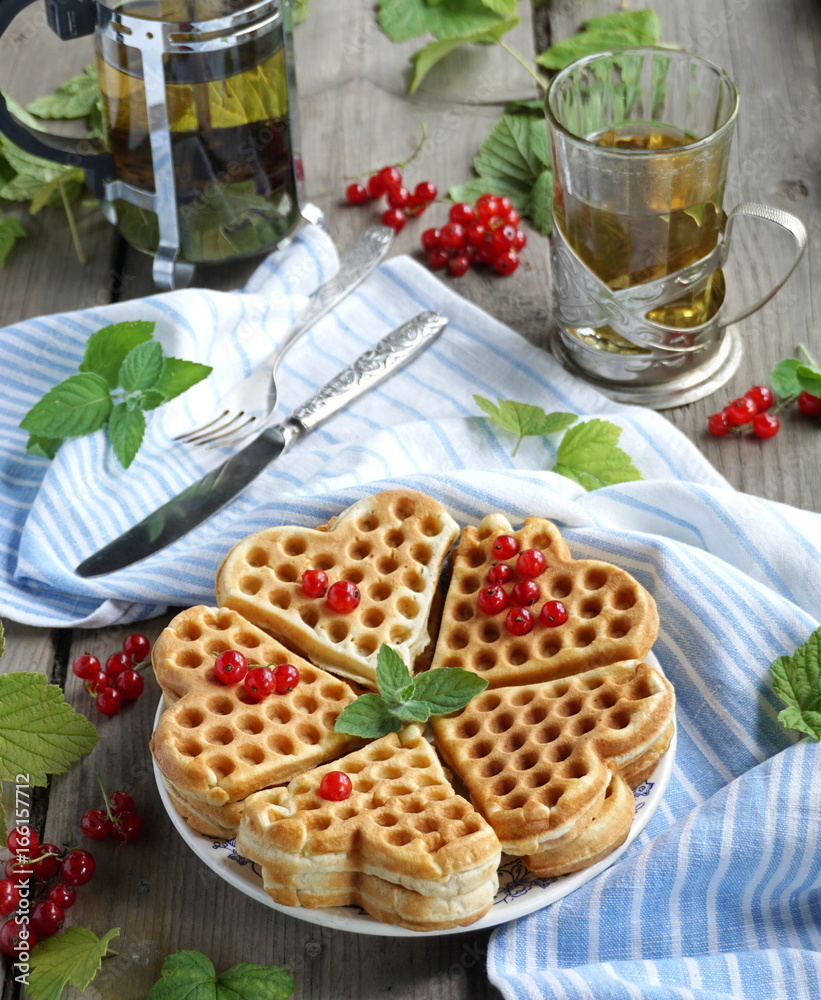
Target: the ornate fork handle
(370, 368)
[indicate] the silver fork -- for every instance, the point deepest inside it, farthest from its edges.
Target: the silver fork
(249, 404)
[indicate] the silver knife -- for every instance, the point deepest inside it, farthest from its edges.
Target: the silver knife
(197, 503)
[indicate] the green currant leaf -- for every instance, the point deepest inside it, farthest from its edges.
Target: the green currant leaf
(126, 428)
(426, 58)
(73, 957)
(369, 717)
(784, 380)
(392, 675)
(107, 347)
(141, 367)
(589, 455)
(541, 202)
(76, 98)
(524, 420)
(79, 405)
(447, 689)
(517, 148)
(177, 376)
(636, 27)
(809, 378)
(43, 447)
(11, 231)
(405, 19)
(518, 193)
(797, 682)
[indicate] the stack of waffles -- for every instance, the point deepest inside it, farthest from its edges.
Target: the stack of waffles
(546, 757)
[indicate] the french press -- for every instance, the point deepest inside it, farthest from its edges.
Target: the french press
(202, 163)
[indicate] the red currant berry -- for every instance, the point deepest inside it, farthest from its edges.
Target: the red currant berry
(287, 678)
(740, 411)
(86, 666)
(519, 621)
(505, 547)
(491, 600)
(23, 840)
(77, 868)
(416, 206)
(499, 573)
(230, 666)
(130, 684)
(260, 682)
(425, 191)
(531, 563)
(109, 701)
(137, 647)
(453, 236)
(9, 897)
(127, 827)
(398, 197)
(431, 239)
(762, 396)
(16, 938)
(17, 871)
(314, 583)
(95, 824)
(343, 597)
(47, 918)
(766, 425)
(718, 424)
(356, 194)
(64, 895)
(375, 186)
(514, 219)
(487, 205)
(506, 263)
(521, 240)
(476, 233)
(98, 684)
(437, 259)
(116, 664)
(335, 786)
(809, 405)
(120, 802)
(48, 860)
(553, 613)
(459, 265)
(390, 178)
(462, 214)
(485, 251)
(503, 238)
(395, 219)
(525, 593)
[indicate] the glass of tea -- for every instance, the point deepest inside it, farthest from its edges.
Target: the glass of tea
(641, 140)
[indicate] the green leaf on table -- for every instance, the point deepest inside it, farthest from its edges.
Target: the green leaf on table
(189, 975)
(79, 405)
(447, 689)
(589, 455)
(797, 682)
(627, 27)
(499, 186)
(178, 375)
(541, 203)
(11, 231)
(72, 957)
(426, 58)
(42, 447)
(76, 98)
(369, 717)
(784, 380)
(809, 378)
(107, 347)
(141, 367)
(40, 734)
(404, 19)
(126, 428)
(524, 420)
(393, 677)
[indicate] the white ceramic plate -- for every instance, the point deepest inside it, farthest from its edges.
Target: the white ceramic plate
(519, 892)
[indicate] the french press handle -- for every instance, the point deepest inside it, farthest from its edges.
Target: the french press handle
(68, 19)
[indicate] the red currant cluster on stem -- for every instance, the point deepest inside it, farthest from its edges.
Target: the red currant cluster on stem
(119, 682)
(119, 819)
(487, 233)
(756, 411)
(45, 874)
(232, 667)
(388, 183)
(530, 564)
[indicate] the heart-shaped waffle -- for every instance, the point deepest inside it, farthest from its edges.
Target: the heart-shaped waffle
(214, 745)
(391, 545)
(403, 845)
(544, 763)
(611, 617)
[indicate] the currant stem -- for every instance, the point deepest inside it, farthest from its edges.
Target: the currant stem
(72, 224)
(523, 62)
(111, 817)
(807, 355)
(404, 163)
(521, 438)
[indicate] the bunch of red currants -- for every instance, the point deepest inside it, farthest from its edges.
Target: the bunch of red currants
(119, 682)
(388, 183)
(750, 412)
(487, 233)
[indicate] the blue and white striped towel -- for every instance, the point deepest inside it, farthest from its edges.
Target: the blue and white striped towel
(719, 896)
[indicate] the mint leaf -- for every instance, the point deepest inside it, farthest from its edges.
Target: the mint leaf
(809, 378)
(72, 957)
(784, 380)
(126, 428)
(141, 367)
(541, 203)
(635, 27)
(40, 734)
(426, 58)
(150, 399)
(405, 19)
(11, 231)
(189, 975)
(79, 405)
(447, 689)
(589, 455)
(43, 447)
(392, 675)
(797, 682)
(368, 717)
(177, 376)
(108, 346)
(76, 98)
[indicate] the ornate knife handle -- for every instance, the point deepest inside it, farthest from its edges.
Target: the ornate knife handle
(370, 368)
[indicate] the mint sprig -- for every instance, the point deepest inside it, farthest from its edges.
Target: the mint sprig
(124, 373)
(404, 698)
(797, 682)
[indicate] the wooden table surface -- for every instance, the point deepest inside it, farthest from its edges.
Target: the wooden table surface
(355, 116)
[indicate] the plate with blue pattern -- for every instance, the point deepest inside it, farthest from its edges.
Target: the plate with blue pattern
(519, 892)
